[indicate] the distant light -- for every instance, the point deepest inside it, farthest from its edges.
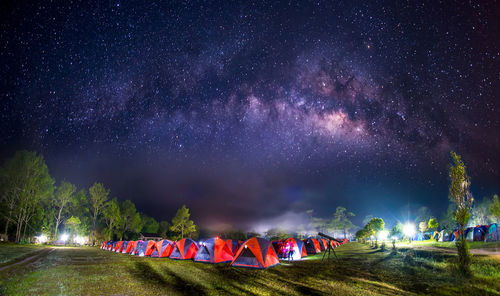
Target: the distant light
(64, 237)
(41, 239)
(394, 237)
(246, 246)
(409, 229)
(79, 240)
(382, 235)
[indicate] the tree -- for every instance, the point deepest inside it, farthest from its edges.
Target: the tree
(495, 207)
(277, 234)
(341, 220)
(397, 230)
(98, 198)
(26, 185)
(181, 225)
(131, 220)
(432, 224)
(362, 234)
(460, 195)
(112, 218)
(62, 198)
(447, 220)
(374, 227)
(72, 224)
(149, 224)
(481, 213)
(164, 228)
(423, 214)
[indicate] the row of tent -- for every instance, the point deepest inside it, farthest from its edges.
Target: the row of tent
(254, 253)
(479, 233)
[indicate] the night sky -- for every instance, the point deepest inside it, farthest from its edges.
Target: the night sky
(253, 113)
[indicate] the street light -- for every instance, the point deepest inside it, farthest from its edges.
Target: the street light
(382, 235)
(64, 237)
(409, 230)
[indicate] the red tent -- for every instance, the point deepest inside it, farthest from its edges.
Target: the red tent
(123, 247)
(117, 246)
(131, 247)
(150, 247)
(163, 248)
(233, 245)
(214, 250)
(256, 252)
(298, 247)
(186, 248)
(323, 243)
(312, 246)
(103, 244)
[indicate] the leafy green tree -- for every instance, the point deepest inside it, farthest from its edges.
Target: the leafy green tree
(341, 220)
(164, 228)
(362, 234)
(461, 196)
(432, 224)
(181, 225)
(495, 207)
(423, 214)
(98, 198)
(422, 226)
(481, 213)
(149, 224)
(131, 220)
(80, 207)
(62, 198)
(112, 218)
(374, 227)
(447, 220)
(397, 230)
(26, 185)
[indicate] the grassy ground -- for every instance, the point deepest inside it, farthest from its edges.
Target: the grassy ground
(11, 251)
(451, 245)
(360, 270)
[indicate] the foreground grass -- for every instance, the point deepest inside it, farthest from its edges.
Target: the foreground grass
(360, 270)
(12, 251)
(450, 245)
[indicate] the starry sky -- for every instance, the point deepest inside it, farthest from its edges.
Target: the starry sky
(251, 113)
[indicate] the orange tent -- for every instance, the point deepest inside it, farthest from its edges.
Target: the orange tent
(186, 248)
(131, 247)
(298, 248)
(233, 245)
(117, 246)
(163, 248)
(149, 248)
(256, 252)
(214, 250)
(312, 246)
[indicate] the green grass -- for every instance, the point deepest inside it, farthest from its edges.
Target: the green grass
(360, 270)
(11, 251)
(433, 243)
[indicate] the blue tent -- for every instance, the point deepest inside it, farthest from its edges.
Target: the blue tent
(480, 233)
(494, 232)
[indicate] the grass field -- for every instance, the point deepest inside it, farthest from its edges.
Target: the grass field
(11, 251)
(360, 270)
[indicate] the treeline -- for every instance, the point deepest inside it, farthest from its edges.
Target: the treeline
(32, 204)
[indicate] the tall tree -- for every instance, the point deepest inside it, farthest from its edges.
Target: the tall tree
(164, 228)
(26, 185)
(181, 225)
(481, 213)
(461, 196)
(62, 198)
(149, 224)
(423, 214)
(112, 218)
(341, 220)
(98, 198)
(495, 207)
(73, 225)
(131, 220)
(447, 220)
(374, 226)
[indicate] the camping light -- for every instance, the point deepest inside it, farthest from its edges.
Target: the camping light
(64, 237)
(394, 237)
(409, 230)
(383, 234)
(79, 240)
(42, 238)
(246, 246)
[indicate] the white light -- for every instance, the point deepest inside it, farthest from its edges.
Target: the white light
(409, 229)
(64, 237)
(79, 240)
(41, 239)
(394, 237)
(383, 234)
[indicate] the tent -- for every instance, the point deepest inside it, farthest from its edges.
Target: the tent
(186, 248)
(111, 246)
(312, 246)
(256, 252)
(233, 245)
(138, 248)
(163, 248)
(334, 243)
(103, 245)
(435, 235)
(480, 233)
(419, 237)
(117, 246)
(297, 246)
(214, 250)
(469, 234)
(148, 248)
(456, 235)
(494, 232)
(323, 243)
(123, 247)
(130, 247)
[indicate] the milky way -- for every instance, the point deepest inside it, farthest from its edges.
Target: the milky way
(292, 105)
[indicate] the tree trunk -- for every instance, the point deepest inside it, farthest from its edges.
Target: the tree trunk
(58, 221)
(6, 228)
(24, 231)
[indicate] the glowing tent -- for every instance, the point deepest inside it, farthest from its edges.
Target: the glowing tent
(297, 246)
(163, 248)
(255, 252)
(214, 250)
(312, 246)
(186, 248)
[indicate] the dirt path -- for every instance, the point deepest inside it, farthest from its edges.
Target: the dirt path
(31, 259)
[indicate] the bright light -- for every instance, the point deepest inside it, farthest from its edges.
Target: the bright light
(64, 237)
(41, 239)
(79, 240)
(383, 234)
(409, 230)
(395, 238)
